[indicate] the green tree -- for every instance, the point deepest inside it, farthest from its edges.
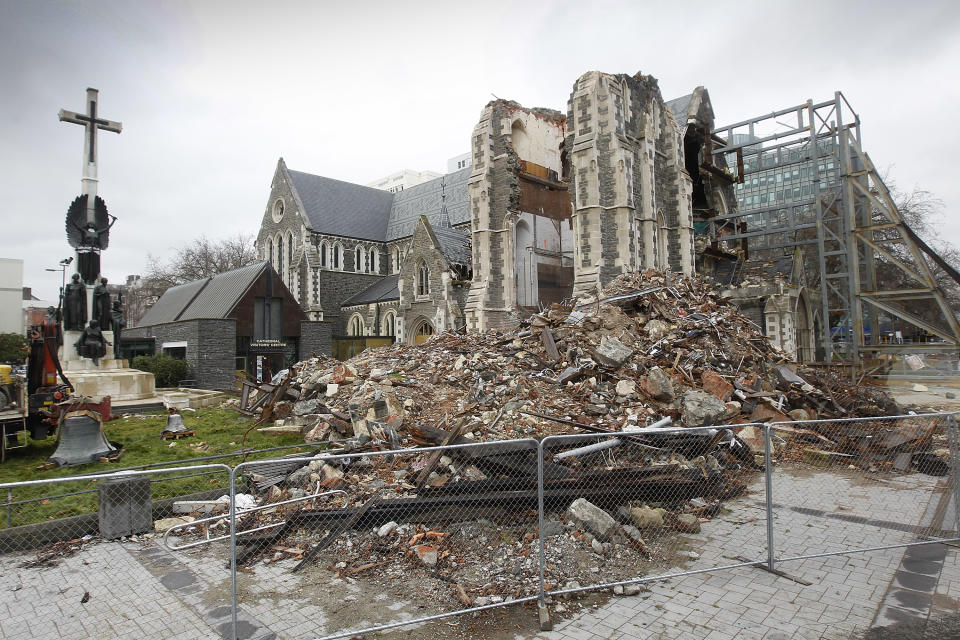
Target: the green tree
(13, 348)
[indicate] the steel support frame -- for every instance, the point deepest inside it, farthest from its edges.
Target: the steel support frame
(848, 214)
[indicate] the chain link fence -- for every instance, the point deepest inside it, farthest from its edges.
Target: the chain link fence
(59, 498)
(443, 530)
(366, 541)
(620, 510)
(874, 483)
(115, 504)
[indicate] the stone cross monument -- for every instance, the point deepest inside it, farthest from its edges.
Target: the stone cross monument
(87, 220)
(87, 337)
(91, 123)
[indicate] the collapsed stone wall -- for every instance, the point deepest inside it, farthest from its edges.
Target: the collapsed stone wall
(494, 191)
(631, 206)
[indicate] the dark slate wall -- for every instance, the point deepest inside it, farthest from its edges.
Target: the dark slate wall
(211, 348)
(504, 195)
(373, 315)
(293, 220)
(315, 337)
(215, 359)
(460, 293)
(422, 248)
(331, 287)
(336, 286)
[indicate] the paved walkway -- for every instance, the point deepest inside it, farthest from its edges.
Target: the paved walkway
(139, 590)
(814, 513)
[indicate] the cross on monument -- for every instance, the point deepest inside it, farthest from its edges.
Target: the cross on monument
(88, 226)
(91, 123)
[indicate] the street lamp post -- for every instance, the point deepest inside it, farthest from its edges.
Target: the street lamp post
(63, 275)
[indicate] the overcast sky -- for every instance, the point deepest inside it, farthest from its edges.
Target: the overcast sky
(212, 93)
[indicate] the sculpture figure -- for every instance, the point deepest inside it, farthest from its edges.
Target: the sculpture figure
(51, 328)
(92, 344)
(75, 305)
(101, 304)
(117, 323)
(88, 231)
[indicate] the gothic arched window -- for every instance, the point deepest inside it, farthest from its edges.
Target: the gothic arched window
(423, 279)
(279, 265)
(356, 325)
(388, 327)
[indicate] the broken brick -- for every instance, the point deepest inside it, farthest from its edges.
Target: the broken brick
(716, 385)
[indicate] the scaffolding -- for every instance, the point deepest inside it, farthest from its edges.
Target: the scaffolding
(810, 185)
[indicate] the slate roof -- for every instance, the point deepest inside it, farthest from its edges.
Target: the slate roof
(381, 291)
(173, 301)
(770, 269)
(424, 200)
(343, 208)
(680, 108)
(454, 244)
(208, 298)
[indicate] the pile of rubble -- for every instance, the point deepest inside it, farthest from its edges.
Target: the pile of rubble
(650, 349)
(653, 351)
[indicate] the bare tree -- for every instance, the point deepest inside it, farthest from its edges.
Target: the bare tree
(201, 258)
(922, 212)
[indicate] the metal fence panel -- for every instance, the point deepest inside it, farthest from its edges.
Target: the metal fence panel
(441, 531)
(436, 532)
(80, 554)
(113, 504)
(845, 486)
(623, 509)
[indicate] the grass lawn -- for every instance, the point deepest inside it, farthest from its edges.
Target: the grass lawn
(218, 431)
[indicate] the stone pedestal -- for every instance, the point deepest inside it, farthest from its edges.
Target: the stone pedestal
(109, 377)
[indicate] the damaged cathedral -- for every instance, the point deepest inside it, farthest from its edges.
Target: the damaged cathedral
(549, 206)
(784, 212)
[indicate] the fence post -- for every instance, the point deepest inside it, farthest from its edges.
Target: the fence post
(540, 518)
(233, 552)
(954, 439)
(768, 479)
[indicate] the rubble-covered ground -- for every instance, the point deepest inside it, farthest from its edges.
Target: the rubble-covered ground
(655, 350)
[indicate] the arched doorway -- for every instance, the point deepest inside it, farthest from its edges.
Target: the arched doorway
(422, 331)
(526, 277)
(519, 139)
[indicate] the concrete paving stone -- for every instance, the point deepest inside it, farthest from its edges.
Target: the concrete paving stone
(763, 586)
(724, 617)
(709, 596)
(756, 616)
(719, 635)
(846, 592)
(682, 599)
(700, 618)
(732, 597)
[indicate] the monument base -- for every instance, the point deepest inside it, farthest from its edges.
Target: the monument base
(109, 377)
(119, 384)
